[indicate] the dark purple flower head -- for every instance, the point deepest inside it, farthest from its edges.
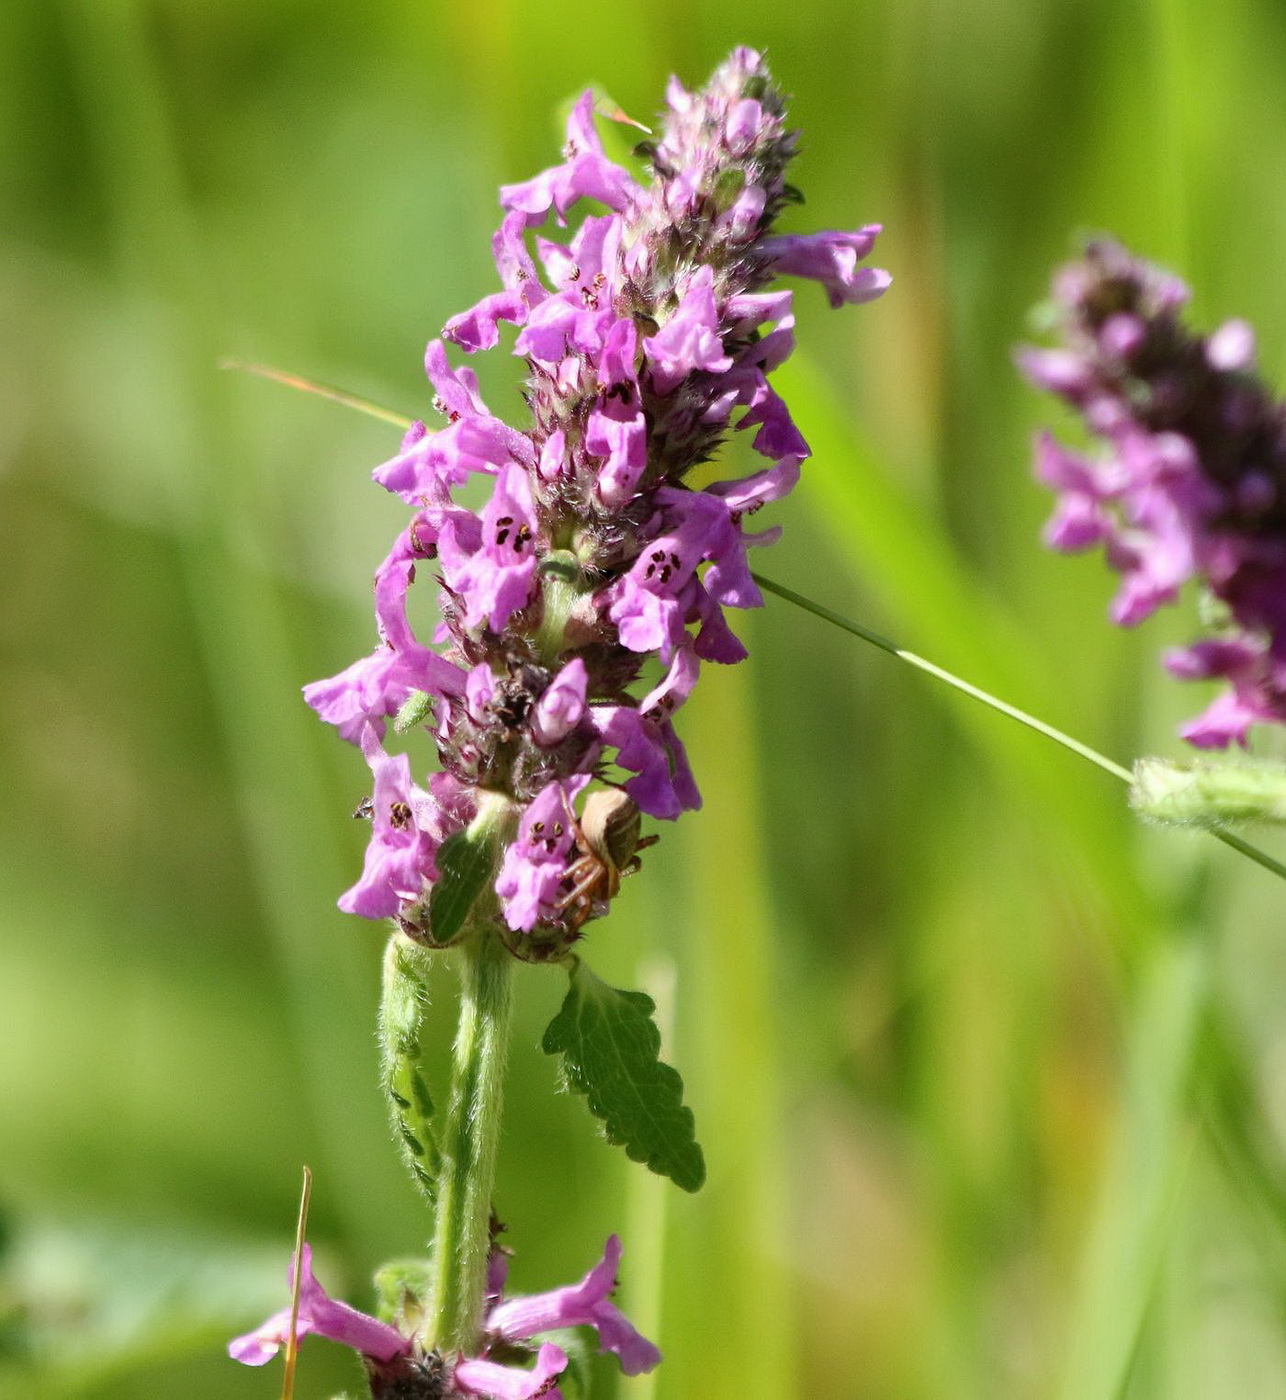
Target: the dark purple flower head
(648, 335)
(511, 1364)
(1191, 478)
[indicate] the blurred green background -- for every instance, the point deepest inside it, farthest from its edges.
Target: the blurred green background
(991, 1082)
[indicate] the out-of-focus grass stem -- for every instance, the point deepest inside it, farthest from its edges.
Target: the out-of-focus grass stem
(1168, 51)
(1143, 1174)
(241, 626)
(736, 993)
(647, 1198)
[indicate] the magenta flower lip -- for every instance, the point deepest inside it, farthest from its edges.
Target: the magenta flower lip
(648, 335)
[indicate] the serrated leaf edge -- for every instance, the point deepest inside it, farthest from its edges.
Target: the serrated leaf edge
(669, 1080)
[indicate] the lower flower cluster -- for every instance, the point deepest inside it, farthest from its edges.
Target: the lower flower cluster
(511, 1364)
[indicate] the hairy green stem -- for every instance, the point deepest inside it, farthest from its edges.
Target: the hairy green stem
(410, 1106)
(1011, 711)
(462, 1238)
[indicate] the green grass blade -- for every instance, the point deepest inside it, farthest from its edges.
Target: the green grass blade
(1145, 1169)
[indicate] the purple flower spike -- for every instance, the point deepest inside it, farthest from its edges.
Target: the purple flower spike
(648, 334)
(1191, 479)
(323, 1316)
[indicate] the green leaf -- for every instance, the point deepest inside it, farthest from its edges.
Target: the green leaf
(465, 861)
(610, 1045)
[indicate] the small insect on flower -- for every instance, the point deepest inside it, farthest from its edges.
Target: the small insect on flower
(608, 839)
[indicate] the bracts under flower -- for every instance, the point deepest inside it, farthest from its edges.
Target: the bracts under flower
(648, 336)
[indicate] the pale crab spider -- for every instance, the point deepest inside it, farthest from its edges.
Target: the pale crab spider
(607, 837)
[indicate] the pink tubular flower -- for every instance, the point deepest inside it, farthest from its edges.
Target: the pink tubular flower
(399, 858)
(560, 708)
(648, 335)
(323, 1316)
(1191, 479)
(832, 259)
(534, 874)
(494, 578)
(587, 174)
(584, 1304)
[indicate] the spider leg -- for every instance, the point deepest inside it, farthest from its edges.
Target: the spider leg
(585, 884)
(573, 824)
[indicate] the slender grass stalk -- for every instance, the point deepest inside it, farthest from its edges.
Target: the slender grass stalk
(324, 391)
(241, 621)
(291, 1354)
(737, 1244)
(912, 566)
(856, 629)
(1002, 707)
(462, 1238)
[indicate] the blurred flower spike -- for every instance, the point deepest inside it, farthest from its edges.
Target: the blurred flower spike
(648, 335)
(397, 1366)
(1192, 481)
